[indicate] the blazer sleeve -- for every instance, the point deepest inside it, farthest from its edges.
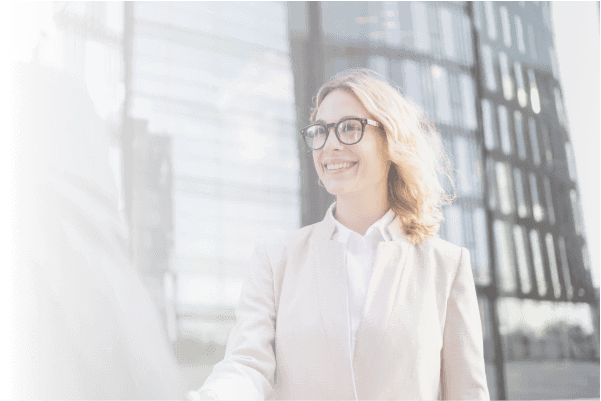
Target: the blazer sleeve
(247, 371)
(463, 375)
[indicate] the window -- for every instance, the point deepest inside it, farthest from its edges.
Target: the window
(504, 257)
(412, 78)
(549, 200)
(553, 265)
(521, 197)
(379, 65)
(576, 214)
(392, 26)
(462, 160)
(469, 105)
(442, 95)
(491, 25)
(504, 128)
(554, 67)
(521, 88)
(506, 26)
(489, 68)
(519, 34)
(506, 80)
(490, 134)
(522, 259)
(481, 239)
(559, 107)
(503, 176)
(454, 224)
(420, 26)
(534, 99)
(571, 161)
(532, 40)
(565, 268)
(493, 195)
(547, 144)
(537, 209)
(477, 15)
(534, 140)
(466, 39)
(448, 33)
(537, 257)
(519, 134)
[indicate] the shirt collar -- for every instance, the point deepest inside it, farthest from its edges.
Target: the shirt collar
(381, 225)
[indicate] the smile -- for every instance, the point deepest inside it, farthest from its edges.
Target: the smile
(339, 166)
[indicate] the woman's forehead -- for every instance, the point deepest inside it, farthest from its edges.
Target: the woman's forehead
(338, 104)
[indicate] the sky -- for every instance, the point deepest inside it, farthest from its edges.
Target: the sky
(577, 45)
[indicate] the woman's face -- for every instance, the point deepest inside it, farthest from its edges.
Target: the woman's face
(368, 160)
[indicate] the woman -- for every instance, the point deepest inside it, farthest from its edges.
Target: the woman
(368, 303)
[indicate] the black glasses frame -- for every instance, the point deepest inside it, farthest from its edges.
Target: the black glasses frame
(363, 121)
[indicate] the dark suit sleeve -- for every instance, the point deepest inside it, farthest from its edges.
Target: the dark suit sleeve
(85, 324)
(462, 373)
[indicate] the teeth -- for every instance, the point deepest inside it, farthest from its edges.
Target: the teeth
(338, 166)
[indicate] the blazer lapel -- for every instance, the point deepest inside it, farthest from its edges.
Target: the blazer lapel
(333, 302)
(391, 259)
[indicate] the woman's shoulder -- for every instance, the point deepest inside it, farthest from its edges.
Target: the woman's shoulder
(441, 250)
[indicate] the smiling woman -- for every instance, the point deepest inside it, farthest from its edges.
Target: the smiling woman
(403, 154)
(368, 303)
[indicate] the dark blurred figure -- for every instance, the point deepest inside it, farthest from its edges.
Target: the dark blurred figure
(85, 327)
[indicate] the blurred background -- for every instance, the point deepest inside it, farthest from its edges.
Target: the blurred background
(202, 102)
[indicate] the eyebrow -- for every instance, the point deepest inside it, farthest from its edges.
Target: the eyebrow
(323, 122)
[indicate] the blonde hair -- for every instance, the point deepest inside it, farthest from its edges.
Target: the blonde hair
(414, 147)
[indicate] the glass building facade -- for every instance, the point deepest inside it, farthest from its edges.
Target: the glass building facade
(206, 99)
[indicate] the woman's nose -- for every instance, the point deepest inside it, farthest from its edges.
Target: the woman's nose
(332, 140)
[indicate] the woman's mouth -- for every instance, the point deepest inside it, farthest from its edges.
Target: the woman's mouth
(339, 166)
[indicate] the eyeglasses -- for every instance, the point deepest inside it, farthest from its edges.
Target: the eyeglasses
(349, 131)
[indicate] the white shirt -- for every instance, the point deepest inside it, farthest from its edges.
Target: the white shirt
(359, 256)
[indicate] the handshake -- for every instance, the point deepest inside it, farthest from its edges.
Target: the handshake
(204, 395)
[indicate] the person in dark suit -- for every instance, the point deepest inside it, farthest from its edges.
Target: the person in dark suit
(84, 326)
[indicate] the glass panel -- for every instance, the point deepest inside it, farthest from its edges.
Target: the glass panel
(489, 68)
(491, 24)
(482, 273)
(549, 349)
(466, 39)
(441, 92)
(518, 125)
(547, 144)
(477, 9)
(506, 80)
(519, 34)
(554, 67)
(454, 224)
(553, 265)
(343, 22)
(448, 33)
(585, 258)
(577, 216)
(537, 258)
(487, 334)
(490, 134)
(468, 100)
(537, 209)
(462, 161)
(549, 200)
(505, 187)
(493, 195)
(519, 238)
(506, 26)
(420, 26)
(534, 99)
(504, 128)
(532, 40)
(534, 140)
(378, 64)
(523, 211)
(412, 79)
(559, 107)
(571, 161)
(519, 80)
(504, 257)
(565, 268)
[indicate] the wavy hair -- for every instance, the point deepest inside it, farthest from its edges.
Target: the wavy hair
(414, 147)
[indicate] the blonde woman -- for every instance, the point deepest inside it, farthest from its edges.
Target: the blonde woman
(368, 303)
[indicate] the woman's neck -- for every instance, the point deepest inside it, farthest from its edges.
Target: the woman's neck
(358, 214)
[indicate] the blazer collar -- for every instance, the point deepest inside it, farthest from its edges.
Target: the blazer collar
(331, 275)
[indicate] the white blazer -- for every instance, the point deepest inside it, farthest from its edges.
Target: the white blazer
(420, 331)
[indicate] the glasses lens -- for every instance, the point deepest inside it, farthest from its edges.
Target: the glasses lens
(350, 131)
(315, 136)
